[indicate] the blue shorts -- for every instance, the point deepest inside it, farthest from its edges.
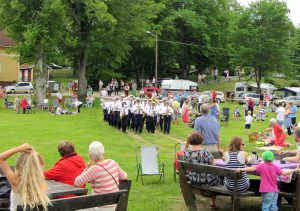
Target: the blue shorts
(247, 126)
(269, 201)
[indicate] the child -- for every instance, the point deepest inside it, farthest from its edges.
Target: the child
(268, 176)
(261, 113)
(248, 121)
(236, 113)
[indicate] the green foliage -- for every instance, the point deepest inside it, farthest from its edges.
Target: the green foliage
(294, 84)
(261, 36)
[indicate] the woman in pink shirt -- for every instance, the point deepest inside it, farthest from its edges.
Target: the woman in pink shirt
(103, 174)
(268, 172)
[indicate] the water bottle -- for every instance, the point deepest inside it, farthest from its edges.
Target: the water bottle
(254, 158)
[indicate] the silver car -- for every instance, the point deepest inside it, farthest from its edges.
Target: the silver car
(243, 98)
(294, 99)
(19, 87)
(207, 96)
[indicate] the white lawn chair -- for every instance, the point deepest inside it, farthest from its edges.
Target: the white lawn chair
(45, 105)
(148, 162)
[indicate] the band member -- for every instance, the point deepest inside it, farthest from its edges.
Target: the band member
(124, 116)
(138, 117)
(167, 111)
(152, 118)
(117, 109)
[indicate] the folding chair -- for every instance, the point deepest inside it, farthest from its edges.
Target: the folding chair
(177, 153)
(148, 163)
(45, 105)
(225, 117)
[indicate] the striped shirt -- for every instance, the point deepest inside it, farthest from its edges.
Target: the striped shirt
(234, 160)
(101, 181)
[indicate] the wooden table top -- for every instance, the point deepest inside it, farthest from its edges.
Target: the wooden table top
(55, 189)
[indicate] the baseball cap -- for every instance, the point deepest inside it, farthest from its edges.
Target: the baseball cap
(268, 156)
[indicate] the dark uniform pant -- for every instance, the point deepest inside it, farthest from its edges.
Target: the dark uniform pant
(167, 124)
(138, 123)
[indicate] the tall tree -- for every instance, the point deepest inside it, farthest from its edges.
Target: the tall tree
(261, 37)
(100, 32)
(35, 25)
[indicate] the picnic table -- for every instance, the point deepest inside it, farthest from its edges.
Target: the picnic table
(287, 165)
(56, 189)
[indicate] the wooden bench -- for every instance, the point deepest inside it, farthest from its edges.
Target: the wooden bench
(295, 196)
(189, 190)
(89, 201)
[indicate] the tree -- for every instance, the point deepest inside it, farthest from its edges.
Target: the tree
(36, 28)
(261, 37)
(100, 33)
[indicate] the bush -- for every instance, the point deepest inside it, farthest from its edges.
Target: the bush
(270, 81)
(294, 84)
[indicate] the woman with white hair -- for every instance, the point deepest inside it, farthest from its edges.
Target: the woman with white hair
(103, 174)
(277, 133)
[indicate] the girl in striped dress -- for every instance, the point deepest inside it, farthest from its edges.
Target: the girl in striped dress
(234, 158)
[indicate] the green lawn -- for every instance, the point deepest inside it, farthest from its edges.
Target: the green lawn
(44, 131)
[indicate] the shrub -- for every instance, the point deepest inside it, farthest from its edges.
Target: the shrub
(294, 84)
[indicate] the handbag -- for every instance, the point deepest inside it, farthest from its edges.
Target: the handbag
(109, 174)
(5, 188)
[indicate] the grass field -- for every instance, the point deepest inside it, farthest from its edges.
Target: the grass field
(44, 131)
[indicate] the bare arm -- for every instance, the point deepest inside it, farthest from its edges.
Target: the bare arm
(251, 168)
(7, 171)
(287, 171)
(294, 159)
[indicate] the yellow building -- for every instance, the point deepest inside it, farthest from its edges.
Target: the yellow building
(9, 64)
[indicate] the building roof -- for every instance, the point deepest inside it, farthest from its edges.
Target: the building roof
(25, 66)
(292, 89)
(5, 41)
(262, 85)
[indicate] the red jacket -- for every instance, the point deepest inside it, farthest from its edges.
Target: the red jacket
(24, 103)
(66, 169)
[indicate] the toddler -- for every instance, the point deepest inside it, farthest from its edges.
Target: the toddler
(268, 172)
(236, 113)
(248, 121)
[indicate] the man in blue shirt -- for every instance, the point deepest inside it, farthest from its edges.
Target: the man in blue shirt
(208, 126)
(293, 113)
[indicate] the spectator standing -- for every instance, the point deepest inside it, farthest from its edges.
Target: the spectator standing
(100, 85)
(293, 113)
(90, 91)
(203, 78)
(153, 81)
(208, 126)
(186, 112)
(24, 104)
(216, 72)
(214, 110)
(250, 105)
(122, 84)
(280, 115)
(126, 89)
(213, 95)
(59, 97)
(68, 167)
(116, 87)
(288, 120)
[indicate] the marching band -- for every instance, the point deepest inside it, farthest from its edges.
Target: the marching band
(133, 113)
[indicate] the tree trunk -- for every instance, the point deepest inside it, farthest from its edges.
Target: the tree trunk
(258, 75)
(185, 71)
(82, 81)
(40, 72)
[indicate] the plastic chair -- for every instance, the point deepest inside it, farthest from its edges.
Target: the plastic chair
(148, 163)
(225, 117)
(45, 105)
(180, 157)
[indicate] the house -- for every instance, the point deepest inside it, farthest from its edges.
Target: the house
(9, 64)
(251, 87)
(26, 72)
(288, 91)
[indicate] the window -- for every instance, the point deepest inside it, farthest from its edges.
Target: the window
(249, 89)
(239, 89)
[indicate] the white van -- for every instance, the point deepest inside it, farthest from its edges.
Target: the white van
(251, 87)
(179, 85)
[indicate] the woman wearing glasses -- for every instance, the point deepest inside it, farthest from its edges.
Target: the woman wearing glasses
(234, 158)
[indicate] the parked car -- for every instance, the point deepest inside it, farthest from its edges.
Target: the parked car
(294, 99)
(149, 90)
(207, 96)
(243, 98)
(278, 75)
(19, 87)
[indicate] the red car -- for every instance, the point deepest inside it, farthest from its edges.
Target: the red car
(149, 90)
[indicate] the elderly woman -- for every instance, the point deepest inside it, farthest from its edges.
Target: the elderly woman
(195, 154)
(277, 136)
(103, 174)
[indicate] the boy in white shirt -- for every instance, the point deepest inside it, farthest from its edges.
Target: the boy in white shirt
(248, 121)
